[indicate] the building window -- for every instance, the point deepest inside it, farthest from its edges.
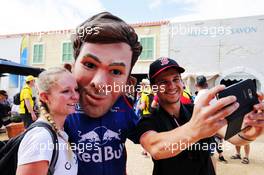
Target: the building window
(37, 53)
(67, 51)
(148, 48)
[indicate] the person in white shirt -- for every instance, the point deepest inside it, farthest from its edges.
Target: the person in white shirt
(202, 88)
(58, 95)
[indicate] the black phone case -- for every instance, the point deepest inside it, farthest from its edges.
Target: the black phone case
(245, 92)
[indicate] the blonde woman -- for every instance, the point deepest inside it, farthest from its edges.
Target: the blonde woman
(58, 95)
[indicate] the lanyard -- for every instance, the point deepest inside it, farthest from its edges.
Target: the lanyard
(178, 125)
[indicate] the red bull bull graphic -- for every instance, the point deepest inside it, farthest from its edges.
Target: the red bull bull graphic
(91, 136)
(106, 135)
(109, 135)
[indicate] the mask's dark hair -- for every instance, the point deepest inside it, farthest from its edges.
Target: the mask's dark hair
(106, 28)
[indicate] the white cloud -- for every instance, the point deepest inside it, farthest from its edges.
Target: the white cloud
(212, 9)
(154, 4)
(19, 16)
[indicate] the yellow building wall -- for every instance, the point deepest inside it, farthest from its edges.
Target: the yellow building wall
(142, 66)
(52, 43)
(152, 31)
(52, 48)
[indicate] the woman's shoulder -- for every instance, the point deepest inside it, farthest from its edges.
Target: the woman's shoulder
(36, 145)
(37, 135)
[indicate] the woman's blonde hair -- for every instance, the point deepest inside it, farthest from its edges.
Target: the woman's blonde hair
(45, 81)
(48, 78)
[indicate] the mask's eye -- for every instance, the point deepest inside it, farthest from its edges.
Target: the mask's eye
(89, 65)
(116, 72)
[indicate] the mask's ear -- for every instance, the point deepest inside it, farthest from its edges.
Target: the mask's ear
(131, 81)
(68, 66)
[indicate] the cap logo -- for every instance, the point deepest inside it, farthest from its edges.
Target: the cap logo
(164, 61)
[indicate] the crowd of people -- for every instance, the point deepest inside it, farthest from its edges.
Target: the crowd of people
(168, 127)
(5, 108)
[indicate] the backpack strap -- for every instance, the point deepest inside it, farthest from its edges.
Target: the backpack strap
(8, 153)
(54, 137)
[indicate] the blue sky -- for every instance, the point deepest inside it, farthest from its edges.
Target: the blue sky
(19, 16)
(145, 10)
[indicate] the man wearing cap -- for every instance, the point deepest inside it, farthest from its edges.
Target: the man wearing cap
(175, 134)
(26, 102)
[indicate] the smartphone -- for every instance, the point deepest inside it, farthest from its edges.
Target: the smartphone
(245, 92)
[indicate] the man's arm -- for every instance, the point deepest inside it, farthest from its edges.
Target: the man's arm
(244, 137)
(205, 122)
(167, 144)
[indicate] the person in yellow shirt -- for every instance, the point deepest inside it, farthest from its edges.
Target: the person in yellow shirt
(145, 100)
(26, 102)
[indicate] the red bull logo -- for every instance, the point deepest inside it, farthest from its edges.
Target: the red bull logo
(103, 154)
(94, 137)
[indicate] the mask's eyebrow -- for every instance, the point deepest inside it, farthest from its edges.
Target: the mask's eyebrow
(118, 64)
(95, 58)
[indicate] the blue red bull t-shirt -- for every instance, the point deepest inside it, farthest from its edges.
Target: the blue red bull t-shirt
(100, 142)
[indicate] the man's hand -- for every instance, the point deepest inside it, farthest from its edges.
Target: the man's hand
(208, 119)
(255, 120)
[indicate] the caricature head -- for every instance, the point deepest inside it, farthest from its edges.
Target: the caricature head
(105, 51)
(105, 28)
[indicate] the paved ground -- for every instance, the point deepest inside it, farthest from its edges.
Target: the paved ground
(3, 136)
(138, 164)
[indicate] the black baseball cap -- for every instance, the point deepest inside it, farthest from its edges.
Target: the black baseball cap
(162, 64)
